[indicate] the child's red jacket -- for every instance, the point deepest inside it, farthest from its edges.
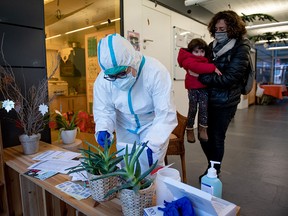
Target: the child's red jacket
(196, 64)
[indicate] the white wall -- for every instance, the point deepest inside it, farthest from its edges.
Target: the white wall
(133, 20)
(181, 96)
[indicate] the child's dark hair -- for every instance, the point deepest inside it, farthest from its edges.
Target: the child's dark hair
(198, 43)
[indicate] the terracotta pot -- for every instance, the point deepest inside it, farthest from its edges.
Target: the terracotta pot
(68, 136)
(30, 144)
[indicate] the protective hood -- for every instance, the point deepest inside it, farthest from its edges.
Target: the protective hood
(115, 53)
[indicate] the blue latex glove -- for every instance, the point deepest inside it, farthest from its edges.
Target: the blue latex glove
(169, 209)
(102, 136)
(149, 156)
(180, 207)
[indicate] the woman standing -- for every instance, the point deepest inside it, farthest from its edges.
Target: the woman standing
(230, 54)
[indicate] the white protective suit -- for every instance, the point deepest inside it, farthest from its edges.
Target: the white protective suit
(144, 113)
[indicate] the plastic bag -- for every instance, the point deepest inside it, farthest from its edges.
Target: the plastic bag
(259, 91)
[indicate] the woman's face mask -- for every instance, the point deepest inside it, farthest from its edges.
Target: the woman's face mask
(126, 83)
(221, 37)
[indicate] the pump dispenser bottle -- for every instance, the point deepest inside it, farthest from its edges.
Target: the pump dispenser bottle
(210, 183)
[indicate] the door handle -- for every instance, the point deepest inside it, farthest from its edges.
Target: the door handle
(147, 40)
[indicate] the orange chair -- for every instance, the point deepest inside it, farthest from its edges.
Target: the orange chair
(176, 143)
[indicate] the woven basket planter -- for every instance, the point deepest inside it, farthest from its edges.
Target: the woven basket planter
(100, 187)
(133, 204)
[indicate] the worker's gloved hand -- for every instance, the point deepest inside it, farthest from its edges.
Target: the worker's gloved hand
(149, 156)
(103, 137)
(149, 153)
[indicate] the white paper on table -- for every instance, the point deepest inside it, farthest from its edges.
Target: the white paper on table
(55, 165)
(56, 155)
(79, 176)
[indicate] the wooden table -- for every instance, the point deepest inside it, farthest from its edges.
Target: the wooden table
(30, 196)
(274, 90)
(71, 147)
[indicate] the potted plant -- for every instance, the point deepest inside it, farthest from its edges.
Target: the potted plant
(136, 189)
(30, 105)
(67, 125)
(96, 163)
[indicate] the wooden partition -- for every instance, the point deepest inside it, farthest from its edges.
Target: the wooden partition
(3, 196)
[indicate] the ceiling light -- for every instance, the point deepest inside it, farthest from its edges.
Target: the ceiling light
(266, 41)
(193, 2)
(109, 21)
(80, 29)
(55, 36)
(277, 48)
(47, 1)
(267, 25)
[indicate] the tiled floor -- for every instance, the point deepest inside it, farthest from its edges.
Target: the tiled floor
(255, 165)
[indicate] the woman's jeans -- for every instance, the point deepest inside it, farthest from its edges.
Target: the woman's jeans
(218, 122)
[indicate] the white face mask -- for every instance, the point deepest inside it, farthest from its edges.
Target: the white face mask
(126, 83)
(221, 37)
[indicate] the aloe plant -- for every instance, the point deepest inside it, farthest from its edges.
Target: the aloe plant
(130, 174)
(98, 162)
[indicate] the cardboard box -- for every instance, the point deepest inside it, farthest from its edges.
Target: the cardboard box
(204, 204)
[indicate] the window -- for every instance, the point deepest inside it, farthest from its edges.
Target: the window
(73, 29)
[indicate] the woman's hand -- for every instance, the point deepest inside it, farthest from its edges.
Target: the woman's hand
(217, 71)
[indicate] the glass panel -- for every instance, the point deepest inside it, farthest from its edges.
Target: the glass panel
(272, 65)
(263, 65)
(73, 28)
(280, 70)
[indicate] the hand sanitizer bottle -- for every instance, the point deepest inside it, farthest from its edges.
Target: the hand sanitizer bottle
(210, 183)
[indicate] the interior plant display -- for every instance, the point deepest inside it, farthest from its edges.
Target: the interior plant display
(66, 123)
(29, 104)
(269, 36)
(136, 189)
(257, 16)
(96, 162)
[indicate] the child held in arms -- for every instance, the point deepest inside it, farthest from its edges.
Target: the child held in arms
(194, 60)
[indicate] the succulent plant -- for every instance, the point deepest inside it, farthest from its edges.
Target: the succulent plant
(98, 162)
(130, 174)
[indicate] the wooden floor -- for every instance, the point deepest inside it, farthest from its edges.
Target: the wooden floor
(255, 166)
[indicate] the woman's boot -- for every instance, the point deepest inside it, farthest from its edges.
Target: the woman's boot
(190, 135)
(202, 133)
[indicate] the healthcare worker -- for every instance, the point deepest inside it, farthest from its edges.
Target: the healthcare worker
(133, 96)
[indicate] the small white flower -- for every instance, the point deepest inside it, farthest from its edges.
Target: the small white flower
(8, 105)
(43, 108)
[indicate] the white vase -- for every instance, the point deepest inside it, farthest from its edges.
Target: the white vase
(30, 144)
(68, 136)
